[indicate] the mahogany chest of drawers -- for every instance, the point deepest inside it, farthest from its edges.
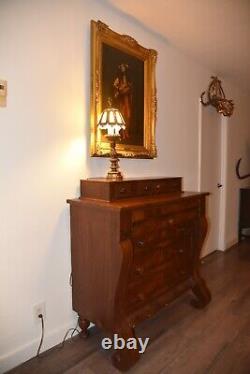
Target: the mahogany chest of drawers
(135, 246)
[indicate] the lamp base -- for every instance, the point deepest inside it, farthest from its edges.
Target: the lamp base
(114, 173)
(115, 176)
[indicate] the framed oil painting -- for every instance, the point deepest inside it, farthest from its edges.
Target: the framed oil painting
(123, 72)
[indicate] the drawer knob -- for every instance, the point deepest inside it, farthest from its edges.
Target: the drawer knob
(158, 186)
(122, 190)
(139, 270)
(140, 243)
(170, 221)
(141, 297)
(146, 188)
(180, 250)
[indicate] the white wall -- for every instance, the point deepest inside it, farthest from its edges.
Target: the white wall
(44, 152)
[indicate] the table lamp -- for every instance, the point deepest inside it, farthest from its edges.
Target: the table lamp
(112, 120)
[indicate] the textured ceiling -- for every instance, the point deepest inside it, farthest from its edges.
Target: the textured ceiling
(214, 32)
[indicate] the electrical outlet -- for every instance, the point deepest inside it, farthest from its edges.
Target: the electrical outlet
(39, 309)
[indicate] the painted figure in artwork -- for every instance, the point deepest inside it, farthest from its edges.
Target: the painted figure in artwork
(123, 95)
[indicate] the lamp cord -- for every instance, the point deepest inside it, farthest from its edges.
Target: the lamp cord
(74, 330)
(42, 337)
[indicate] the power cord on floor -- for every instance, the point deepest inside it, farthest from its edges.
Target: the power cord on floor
(74, 330)
(41, 340)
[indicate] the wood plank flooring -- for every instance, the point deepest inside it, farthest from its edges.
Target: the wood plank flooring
(183, 340)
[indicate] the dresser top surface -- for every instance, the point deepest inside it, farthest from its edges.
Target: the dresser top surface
(105, 180)
(134, 202)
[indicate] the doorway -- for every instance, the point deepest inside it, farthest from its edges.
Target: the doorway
(212, 174)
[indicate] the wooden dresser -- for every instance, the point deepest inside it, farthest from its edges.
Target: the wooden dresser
(135, 247)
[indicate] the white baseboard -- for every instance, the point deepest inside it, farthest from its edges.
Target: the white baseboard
(28, 350)
(232, 242)
(228, 245)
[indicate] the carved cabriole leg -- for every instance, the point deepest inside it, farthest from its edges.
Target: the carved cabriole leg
(84, 324)
(199, 286)
(123, 359)
(201, 291)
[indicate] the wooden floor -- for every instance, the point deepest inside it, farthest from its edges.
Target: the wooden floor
(183, 340)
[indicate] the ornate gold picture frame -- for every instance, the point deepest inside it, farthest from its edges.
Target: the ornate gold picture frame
(123, 71)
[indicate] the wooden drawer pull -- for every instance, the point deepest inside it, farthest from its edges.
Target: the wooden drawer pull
(141, 297)
(181, 250)
(146, 188)
(122, 190)
(158, 186)
(139, 270)
(170, 221)
(140, 243)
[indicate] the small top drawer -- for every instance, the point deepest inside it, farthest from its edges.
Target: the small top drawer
(109, 190)
(144, 188)
(122, 190)
(163, 186)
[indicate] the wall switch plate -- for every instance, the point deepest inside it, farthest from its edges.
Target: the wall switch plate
(3, 88)
(39, 309)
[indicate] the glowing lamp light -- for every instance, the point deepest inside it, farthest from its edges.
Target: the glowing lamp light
(112, 121)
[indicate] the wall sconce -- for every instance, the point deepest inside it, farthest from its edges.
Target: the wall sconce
(112, 120)
(216, 97)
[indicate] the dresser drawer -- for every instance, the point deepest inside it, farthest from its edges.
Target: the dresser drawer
(160, 210)
(156, 282)
(144, 188)
(144, 235)
(161, 186)
(176, 220)
(123, 190)
(178, 207)
(154, 232)
(110, 190)
(150, 261)
(156, 187)
(177, 254)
